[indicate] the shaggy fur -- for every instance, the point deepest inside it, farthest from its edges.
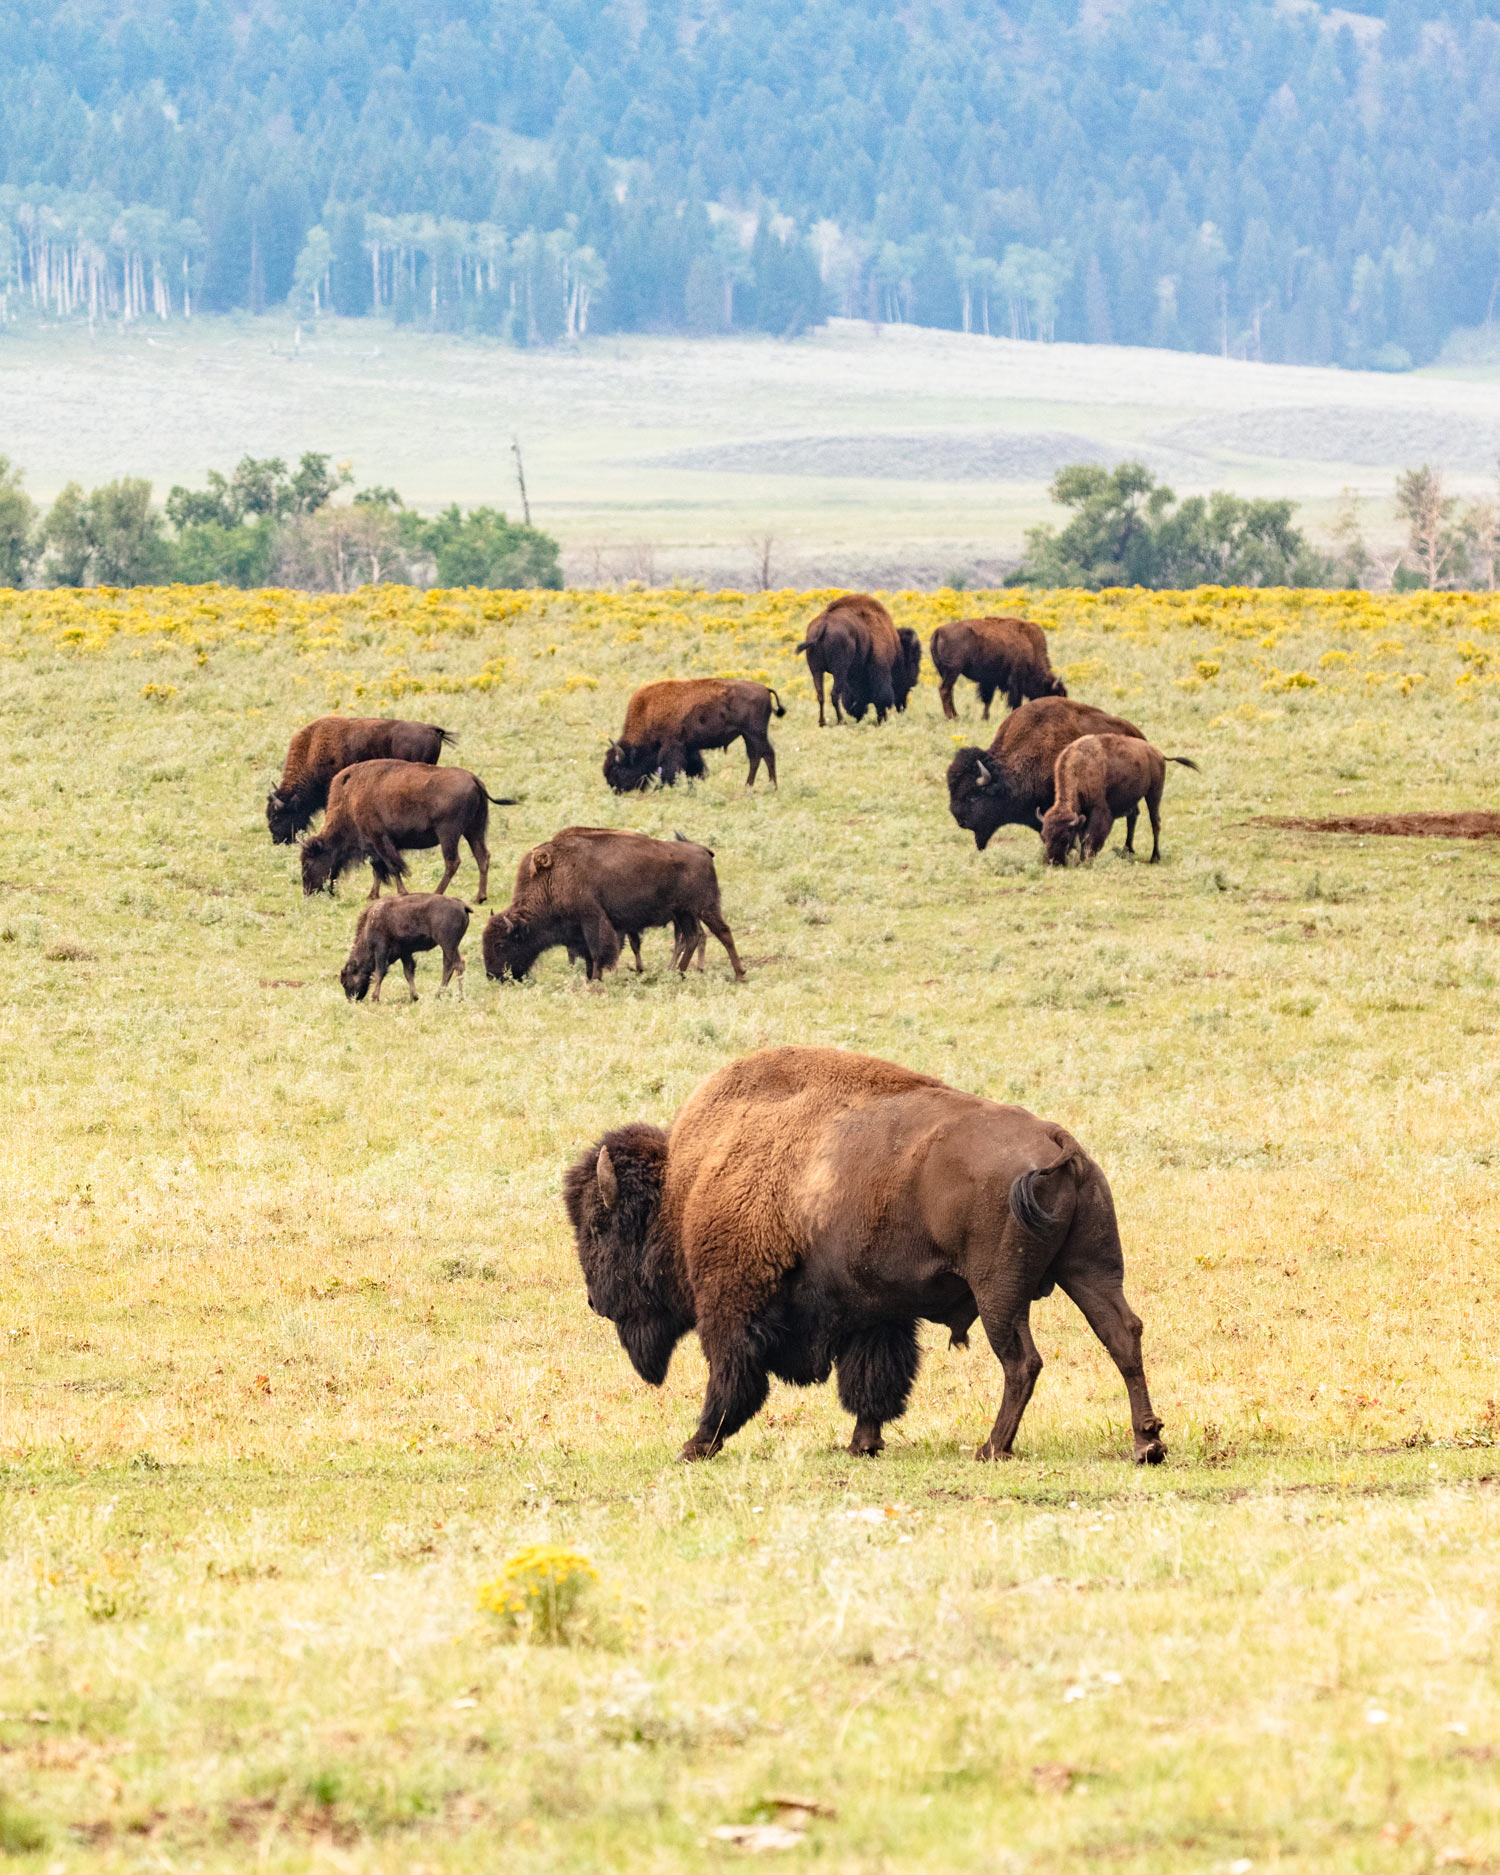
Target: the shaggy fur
(854, 642)
(908, 666)
(667, 724)
(809, 1207)
(587, 887)
(393, 930)
(1010, 782)
(1008, 654)
(318, 752)
(377, 810)
(1095, 780)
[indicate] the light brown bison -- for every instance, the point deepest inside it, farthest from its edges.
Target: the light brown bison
(1010, 782)
(587, 887)
(393, 930)
(318, 752)
(809, 1207)
(378, 810)
(668, 723)
(1008, 654)
(854, 642)
(1095, 780)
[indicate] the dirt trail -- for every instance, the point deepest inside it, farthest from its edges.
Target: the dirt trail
(1470, 824)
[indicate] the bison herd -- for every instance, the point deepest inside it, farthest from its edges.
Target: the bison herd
(808, 1206)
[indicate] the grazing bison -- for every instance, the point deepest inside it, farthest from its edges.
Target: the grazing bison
(809, 1207)
(1095, 780)
(668, 723)
(908, 666)
(1010, 782)
(1008, 654)
(393, 930)
(587, 887)
(318, 752)
(377, 810)
(854, 642)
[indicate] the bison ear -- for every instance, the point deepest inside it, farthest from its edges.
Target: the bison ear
(541, 858)
(609, 1185)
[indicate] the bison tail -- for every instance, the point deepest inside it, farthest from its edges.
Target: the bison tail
(1026, 1200)
(446, 738)
(1185, 761)
(779, 710)
(805, 645)
(500, 800)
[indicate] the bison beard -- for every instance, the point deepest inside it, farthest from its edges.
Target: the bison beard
(809, 1207)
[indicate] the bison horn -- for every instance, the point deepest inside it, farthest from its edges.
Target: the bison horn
(1038, 812)
(984, 775)
(609, 1185)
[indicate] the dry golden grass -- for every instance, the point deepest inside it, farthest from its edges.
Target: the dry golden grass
(295, 1354)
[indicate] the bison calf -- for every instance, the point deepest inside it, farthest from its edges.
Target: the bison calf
(395, 929)
(1096, 779)
(1007, 654)
(588, 887)
(668, 724)
(332, 743)
(809, 1207)
(377, 810)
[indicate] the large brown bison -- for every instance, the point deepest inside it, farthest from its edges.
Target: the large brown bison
(1095, 780)
(809, 1207)
(393, 930)
(1008, 654)
(668, 723)
(377, 810)
(587, 887)
(854, 642)
(1010, 782)
(318, 752)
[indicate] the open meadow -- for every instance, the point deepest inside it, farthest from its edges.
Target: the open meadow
(295, 1354)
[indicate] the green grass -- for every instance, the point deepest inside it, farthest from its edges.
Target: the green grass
(294, 1352)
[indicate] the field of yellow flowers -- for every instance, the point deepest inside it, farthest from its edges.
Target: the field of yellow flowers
(338, 1532)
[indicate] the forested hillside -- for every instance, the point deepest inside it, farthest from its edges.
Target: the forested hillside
(1293, 184)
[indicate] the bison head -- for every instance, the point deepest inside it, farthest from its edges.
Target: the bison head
(1054, 686)
(1061, 830)
(908, 666)
(979, 797)
(613, 1196)
(284, 816)
(322, 862)
(629, 765)
(358, 971)
(509, 948)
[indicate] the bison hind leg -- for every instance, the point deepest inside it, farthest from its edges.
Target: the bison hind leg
(876, 1369)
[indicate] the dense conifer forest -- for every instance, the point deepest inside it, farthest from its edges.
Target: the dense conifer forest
(1270, 181)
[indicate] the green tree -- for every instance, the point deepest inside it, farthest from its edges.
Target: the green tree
(19, 545)
(1436, 549)
(110, 537)
(483, 548)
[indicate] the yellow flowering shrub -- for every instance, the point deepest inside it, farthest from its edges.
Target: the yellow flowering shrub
(541, 1594)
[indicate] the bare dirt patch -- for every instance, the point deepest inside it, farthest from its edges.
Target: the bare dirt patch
(1470, 824)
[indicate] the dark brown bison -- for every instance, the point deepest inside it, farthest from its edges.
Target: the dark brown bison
(1008, 654)
(854, 642)
(587, 887)
(393, 930)
(318, 752)
(378, 810)
(1010, 782)
(668, 723)
(908, 666)
(1095, 780)
(809, 1207)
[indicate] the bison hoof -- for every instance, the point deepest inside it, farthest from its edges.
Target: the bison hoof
(866, 1445)
(1152, 1452)
(699, 1448)
(989, 1450)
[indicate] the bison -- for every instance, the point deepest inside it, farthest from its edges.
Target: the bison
(854, 642)
(587, 887)
(1008, 654)
(668, 723)
(808, 1207)
(1095, 780)
(318, 752)
(1010, 782)
(395, 929)
(376, 810)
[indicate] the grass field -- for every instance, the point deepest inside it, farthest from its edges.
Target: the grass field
(866, 454)
(295, 1354)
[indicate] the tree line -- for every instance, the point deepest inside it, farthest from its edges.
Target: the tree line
(262, 525)
(1284, 183)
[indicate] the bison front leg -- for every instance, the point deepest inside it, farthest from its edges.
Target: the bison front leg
(726, 937)
(1010, 1336)
(1102, 1303)
(737, 1388)
(876, 1371)
(409, 968)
